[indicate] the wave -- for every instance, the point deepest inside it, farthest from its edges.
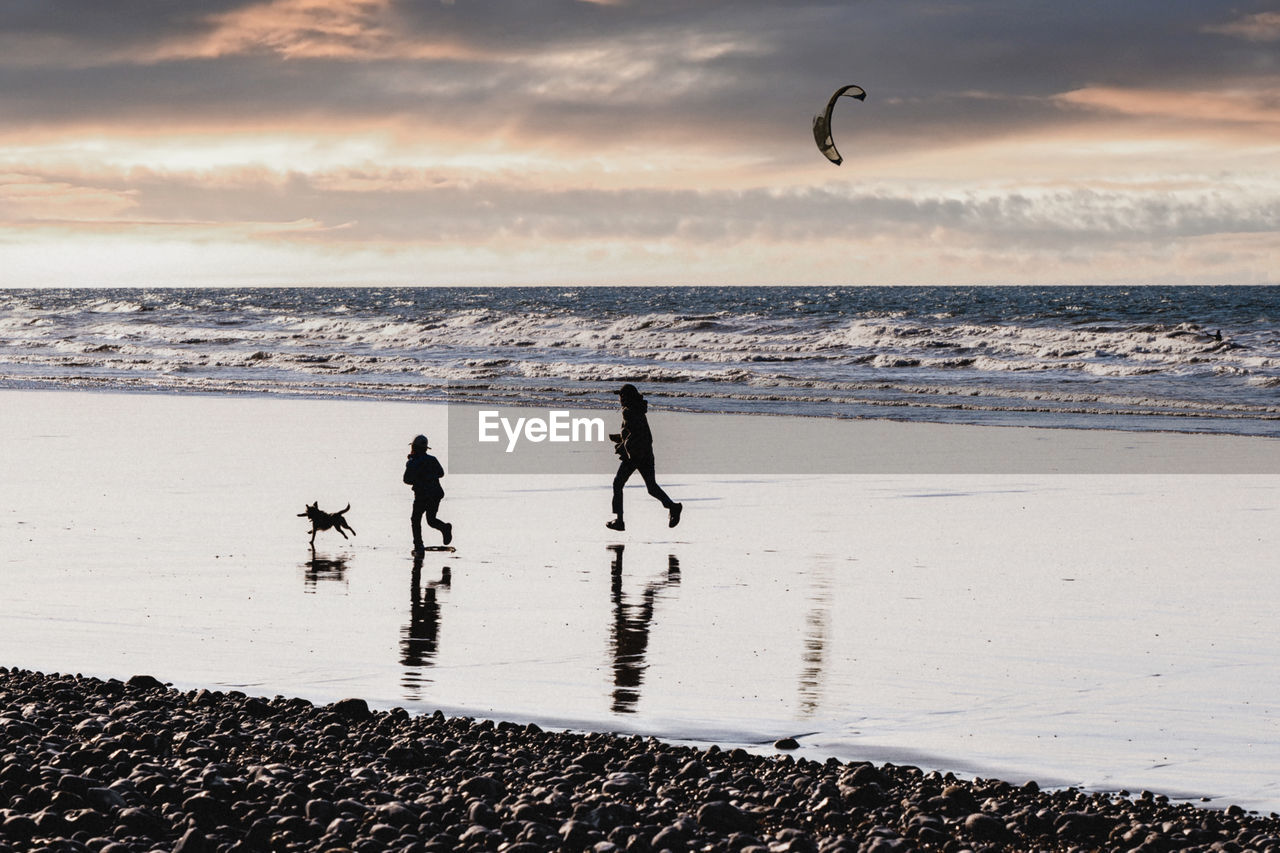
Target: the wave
(830, 351)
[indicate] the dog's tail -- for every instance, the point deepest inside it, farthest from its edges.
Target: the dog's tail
(342, 511)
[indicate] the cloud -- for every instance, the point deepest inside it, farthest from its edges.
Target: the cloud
(715, 75)
(671, 127)
(30, 198)
(1259, 105)
(407, 209)
(289, 28)
(1260, 27)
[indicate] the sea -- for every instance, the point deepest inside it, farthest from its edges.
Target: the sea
(1187, 359)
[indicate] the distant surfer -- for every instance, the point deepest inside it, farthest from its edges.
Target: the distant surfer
(423, 471)
(634, 446)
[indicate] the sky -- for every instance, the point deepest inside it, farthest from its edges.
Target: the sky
(665, 142)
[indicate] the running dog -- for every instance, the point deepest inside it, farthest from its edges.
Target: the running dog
(321, 520)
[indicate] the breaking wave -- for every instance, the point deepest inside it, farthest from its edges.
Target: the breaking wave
(1134, 359)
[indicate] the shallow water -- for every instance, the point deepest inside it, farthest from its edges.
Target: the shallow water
(1106, 631)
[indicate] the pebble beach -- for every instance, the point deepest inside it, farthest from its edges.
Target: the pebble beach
(113, 766)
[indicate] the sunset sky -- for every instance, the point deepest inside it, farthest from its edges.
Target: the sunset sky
(152, 142)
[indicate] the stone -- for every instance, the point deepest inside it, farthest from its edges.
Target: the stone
(352, 709)
(724, 817)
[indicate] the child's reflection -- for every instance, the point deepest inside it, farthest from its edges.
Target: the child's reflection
(420, 639)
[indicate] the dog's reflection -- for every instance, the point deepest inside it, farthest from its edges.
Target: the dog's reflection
(320, 568)
(420, 639)
(630, 640)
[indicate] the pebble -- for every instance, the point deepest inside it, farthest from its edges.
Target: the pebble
(132, 766)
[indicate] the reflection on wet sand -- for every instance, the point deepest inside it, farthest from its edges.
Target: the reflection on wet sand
(630, 639)
(320, 568)
(817, 628)
(420, 639)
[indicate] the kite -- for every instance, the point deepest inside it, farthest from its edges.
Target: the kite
(822, 122)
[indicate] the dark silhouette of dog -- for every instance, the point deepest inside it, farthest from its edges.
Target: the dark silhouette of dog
(321, 520)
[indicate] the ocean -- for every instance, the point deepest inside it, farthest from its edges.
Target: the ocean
(1193, 359)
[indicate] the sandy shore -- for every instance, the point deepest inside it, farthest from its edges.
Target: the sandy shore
(1102, 631)
(114, 767)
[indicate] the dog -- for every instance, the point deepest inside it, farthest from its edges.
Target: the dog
(321, 520)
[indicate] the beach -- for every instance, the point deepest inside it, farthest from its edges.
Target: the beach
(836, 427)
(1103, 631)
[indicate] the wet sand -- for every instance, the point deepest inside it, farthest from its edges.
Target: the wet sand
(1103, 631)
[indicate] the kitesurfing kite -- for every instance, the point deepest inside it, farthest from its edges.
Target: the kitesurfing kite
(822, 122)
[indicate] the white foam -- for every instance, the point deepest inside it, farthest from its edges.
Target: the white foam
(718, 356)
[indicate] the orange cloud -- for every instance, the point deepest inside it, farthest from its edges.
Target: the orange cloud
(24, 198)
(1259, 105)
(309, 29)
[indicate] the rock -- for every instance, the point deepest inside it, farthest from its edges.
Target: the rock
(396, 814)
(670, 838)
(576, 834)
(984, 827)
(486, 787)
(104, 799)
(482, 814)
(18, 828)
(692, 769)
(610, 816)
(786, 743)
(192, 841)
(724, 817)
(108, 767)
(623, 783)
(960, 797)
(321, 811)
(352, 709)
(888, 845)
(1080, 826)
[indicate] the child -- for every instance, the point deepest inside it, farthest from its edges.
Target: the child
(423, 472)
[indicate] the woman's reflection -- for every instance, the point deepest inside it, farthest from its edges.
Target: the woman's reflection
(630, 638)
(420, 639)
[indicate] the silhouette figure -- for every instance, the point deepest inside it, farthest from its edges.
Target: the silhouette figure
(634, 446)
(423, 471)
(319, 569)
(630, 639)
(420, 639)
(321, 520)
